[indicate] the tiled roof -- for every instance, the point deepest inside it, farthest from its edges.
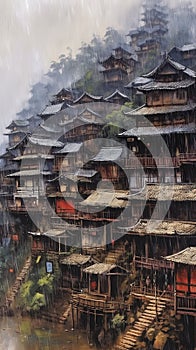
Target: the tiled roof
(163, 227)
(108, 154)
(186, 256)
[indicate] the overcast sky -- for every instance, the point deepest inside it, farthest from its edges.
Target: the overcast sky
(35, 32)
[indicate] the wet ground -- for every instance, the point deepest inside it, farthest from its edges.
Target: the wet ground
(33, 334)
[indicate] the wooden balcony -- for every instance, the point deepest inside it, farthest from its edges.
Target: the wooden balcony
(97, 302)
(155, 264)
(186, 304)
(26, 209)
(149, 162)
(142, 292)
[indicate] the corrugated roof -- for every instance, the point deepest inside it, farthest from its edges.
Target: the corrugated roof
(76, 259)
(152, 130)
(108, 154)
(157, 85)
(100, 268)
(188, 47)
(139, 81)
(45, 142)
(35, 156)
(186, 256)
(52, 109)
(86, 173)
(54, 232)
(107, 199)
(174, 192)
(161, 227)
(70, 148)
(30, 173)
(144, 110)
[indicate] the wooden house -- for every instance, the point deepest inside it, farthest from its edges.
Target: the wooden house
(72, 268)
(64, 95)
(108, 162)
(36, 166)
(117, 68)
(87, 98)
(68, 158)
(97, 306)
(18, 129)
(169, 112)
(117, 97)
(152, 240)
(185, 55)
(184, 280)
(51, 110)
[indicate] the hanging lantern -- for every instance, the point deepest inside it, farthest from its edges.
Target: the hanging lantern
(15, 238)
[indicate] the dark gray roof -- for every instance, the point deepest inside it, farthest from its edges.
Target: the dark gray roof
(139, 81)
(117, 93)
(45, 142)
(70, 148)
(34, 172)
(19, 123)
(108, 154)
(52, 109)
(51, 129)
(86, 173)
(188, 47)
(186, 256)
(144, 110)
(96, 98)
(156, 85)
(150, 130)
(174, 64)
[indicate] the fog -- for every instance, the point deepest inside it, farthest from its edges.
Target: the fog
(33, 33)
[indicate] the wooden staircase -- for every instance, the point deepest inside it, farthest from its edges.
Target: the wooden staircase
(54, 316)
(114, 255)
(13, 291)
(129, 339)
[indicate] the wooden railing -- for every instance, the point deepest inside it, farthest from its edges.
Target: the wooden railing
(143, 291)
(186, 304)
(151, 263)
(98, 303)
(151, 162)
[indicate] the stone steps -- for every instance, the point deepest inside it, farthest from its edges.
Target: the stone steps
(18, 282)
(129, 339)
(114, 255)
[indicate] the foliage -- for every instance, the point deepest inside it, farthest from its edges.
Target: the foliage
(37, 291)
(38, 301)
(118, 323)
(117, 120)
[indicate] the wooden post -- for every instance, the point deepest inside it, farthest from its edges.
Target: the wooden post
(146, 248)
(109, 286)
(72, 313)
(99, 282)
(105, 321)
